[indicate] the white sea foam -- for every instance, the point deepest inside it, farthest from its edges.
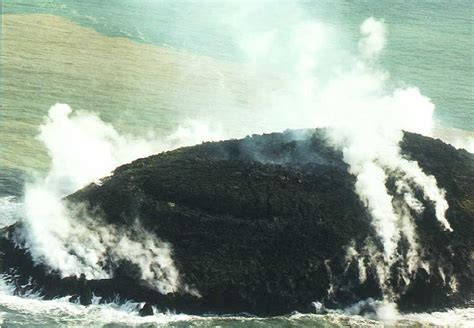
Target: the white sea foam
(375, 313)
(15, 310)
(62, 312)
(10, 210)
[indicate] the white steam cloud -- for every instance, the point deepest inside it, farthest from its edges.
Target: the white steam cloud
(373, 37)
(464, 143)
(83, 148)
(319, 84)
(367, 128)
(353, 96)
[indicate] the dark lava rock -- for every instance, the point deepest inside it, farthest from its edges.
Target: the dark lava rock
(85, 294)
(261, 225)
(146, 310)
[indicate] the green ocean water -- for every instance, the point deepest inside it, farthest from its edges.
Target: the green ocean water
(150, 65)
(430, 42)
(430, 45)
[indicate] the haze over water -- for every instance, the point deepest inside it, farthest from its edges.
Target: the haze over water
(149, 65)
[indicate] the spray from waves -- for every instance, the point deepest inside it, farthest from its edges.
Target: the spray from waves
(387, 313)
(83, 148)
(9, 207)
(62, 312)
(13, 310)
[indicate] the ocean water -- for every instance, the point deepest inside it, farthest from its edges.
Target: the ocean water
(168, 71)
(160, 62)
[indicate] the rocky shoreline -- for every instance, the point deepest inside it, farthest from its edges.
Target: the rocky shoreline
(262, 225)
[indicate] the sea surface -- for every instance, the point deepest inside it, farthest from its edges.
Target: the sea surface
(149, 69)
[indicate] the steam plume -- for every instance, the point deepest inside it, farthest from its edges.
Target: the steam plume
(320, 85)
(83, 148)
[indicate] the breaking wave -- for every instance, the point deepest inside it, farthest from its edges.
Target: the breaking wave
(61, 312)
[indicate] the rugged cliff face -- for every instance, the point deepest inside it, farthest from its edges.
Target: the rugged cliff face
(264, 225)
